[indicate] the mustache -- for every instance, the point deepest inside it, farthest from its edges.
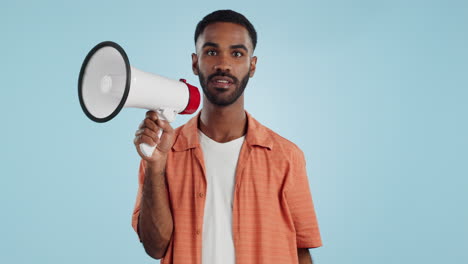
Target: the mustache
(223, 74)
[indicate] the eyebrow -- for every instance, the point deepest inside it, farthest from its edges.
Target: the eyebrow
(238, 46)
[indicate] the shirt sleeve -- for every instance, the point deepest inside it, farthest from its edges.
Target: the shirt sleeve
(136, 210)
(301, 207)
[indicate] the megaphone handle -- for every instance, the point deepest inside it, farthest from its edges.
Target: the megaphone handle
(163, 114)
(148, 150)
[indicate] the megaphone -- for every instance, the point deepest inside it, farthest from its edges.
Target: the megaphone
(107, 83)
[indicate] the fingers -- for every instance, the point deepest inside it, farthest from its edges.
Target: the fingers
(165, 126)
(144, 136)
(150, 124)
(154, 122)
(147, 132)
(147, 136)
(152, 115)
(154, 131)
(146, 139)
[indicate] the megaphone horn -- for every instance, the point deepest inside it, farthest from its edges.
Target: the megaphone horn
(107, 83)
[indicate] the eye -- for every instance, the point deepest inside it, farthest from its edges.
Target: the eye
(237, 54)
(211, 53)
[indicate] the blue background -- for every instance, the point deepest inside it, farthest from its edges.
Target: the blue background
(374, 92)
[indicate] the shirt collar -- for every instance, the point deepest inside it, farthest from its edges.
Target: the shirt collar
(257, 134)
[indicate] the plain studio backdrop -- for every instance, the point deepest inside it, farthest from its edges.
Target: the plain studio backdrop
(374, 93)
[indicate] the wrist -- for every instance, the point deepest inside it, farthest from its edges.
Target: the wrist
(157, 164)
(155, 176)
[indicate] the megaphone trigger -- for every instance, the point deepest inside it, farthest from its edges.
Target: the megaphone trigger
(167, 114)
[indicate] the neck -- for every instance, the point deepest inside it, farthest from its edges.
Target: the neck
(223, 123)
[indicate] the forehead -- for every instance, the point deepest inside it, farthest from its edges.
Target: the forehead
(225, 33)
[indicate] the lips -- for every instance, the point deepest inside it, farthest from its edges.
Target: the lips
(223, 82)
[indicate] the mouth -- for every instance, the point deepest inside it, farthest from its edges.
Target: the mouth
(222, 82)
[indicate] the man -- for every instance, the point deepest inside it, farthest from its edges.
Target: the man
(223, 188)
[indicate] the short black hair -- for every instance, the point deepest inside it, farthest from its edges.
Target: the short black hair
(226, 16)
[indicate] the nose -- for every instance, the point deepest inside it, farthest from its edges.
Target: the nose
(223, 64)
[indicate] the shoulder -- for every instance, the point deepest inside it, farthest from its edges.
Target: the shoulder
(289, 149)
(281, 145)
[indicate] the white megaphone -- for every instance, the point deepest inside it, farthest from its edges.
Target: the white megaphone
(108, 83)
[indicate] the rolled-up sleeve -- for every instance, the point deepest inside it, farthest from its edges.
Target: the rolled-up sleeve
(300, 204)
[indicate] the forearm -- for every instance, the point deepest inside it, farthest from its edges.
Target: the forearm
(155, 220)
(304, 256)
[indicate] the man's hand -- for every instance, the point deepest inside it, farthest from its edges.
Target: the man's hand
(148, 133)
(304, 256)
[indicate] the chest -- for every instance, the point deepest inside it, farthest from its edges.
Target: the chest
(254, 173)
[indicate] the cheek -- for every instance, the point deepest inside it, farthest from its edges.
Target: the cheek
(245, 67)
(204, 65)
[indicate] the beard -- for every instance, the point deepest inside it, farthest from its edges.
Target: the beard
(220, 99)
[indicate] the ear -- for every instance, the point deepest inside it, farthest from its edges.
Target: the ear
(253, 66)
(194, 63)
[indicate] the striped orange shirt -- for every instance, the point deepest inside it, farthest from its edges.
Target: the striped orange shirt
(273, 213)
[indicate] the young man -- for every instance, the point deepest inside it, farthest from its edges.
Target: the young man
(223, 188)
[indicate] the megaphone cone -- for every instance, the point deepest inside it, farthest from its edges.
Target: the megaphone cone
(107, 83)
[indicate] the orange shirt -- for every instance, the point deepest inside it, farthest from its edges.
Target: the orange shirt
(273, 213)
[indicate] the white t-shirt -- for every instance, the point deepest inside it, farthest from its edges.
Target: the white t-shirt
(220, 163)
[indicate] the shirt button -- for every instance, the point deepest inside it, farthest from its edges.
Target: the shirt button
(201, 195)
(198, 232)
